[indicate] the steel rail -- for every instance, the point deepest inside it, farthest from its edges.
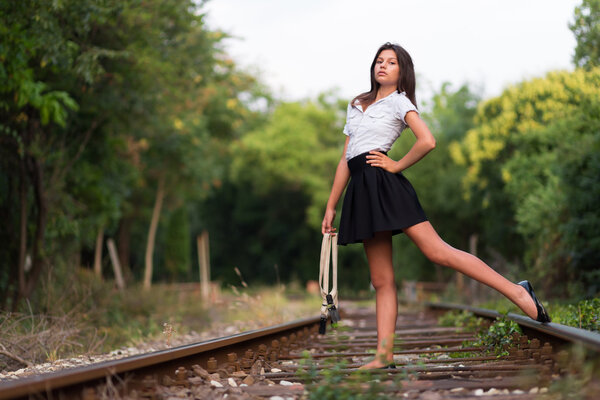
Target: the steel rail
(169, 359)
(551, 330)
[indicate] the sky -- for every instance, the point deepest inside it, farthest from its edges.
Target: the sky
(301, 48)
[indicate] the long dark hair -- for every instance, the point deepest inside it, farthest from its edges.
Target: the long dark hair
(406, 81)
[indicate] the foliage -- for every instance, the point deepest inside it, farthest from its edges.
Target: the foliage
(33, 339)
(584, 314)
(99, 101)
(533, 159)
(119, 318)
(82, 315)
(586, 28)
(436, 179)
(335, 383)
(273, 199)
(177, 245)
(270, 227)
(499, 335)
(299, 147)
(461, 319)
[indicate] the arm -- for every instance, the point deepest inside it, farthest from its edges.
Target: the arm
(342, 175)
(424, 144)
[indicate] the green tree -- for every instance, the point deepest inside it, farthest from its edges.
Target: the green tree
(272, 202)
(437, 180)
(108, 109)
(41, 61)
(177, 245)
(586, 28)
(534, 148)
(300, 145)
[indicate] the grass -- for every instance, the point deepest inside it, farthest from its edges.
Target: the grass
(84, 316)
(497, 337)
(578, 313)
(78, 314)
(583, 314)
(335, 383)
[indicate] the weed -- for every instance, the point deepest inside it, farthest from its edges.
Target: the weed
(334, 382)
(462, 354)
(30, 338)
(168, 331)
(499, 336)
(584, 315)
(461, 319)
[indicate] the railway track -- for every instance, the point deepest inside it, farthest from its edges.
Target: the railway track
(293, 361)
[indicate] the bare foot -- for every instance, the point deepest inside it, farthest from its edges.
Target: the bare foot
(379, 362)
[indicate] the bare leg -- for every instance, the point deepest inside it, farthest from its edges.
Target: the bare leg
(379, 255)
(440, 252)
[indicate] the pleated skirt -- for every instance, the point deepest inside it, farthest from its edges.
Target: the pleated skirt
(375, 201)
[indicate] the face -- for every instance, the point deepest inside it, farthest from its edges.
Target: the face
(387, 70)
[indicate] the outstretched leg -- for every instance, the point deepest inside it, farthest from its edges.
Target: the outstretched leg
(440, 252)
(379, 254)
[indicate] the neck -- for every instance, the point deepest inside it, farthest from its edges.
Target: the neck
(385, 91)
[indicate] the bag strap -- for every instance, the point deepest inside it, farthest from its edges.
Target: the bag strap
(329, 305)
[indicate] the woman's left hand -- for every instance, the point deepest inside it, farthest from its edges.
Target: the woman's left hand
(378, 159)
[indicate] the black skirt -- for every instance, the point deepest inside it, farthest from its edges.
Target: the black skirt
(375, 201)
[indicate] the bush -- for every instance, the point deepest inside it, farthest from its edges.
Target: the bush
(583, 315)
(499, 335)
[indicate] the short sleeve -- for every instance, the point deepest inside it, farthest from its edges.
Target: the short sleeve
(403, 106)
(346, 128)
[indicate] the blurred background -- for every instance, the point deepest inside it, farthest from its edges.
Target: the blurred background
(132, 129)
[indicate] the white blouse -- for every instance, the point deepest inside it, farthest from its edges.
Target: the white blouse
(378, 127)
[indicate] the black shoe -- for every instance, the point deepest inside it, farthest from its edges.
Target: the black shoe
(542, 315)
(389, 366)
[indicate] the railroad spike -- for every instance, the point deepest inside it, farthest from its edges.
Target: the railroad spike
(211, 365)
(247, 360)
(284, 349)
(272, 356)
(547, 349)
(233, 365)
(274, 352)
(181, 376)
(261, 354)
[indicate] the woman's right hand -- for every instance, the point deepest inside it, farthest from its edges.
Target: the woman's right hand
(326, 226)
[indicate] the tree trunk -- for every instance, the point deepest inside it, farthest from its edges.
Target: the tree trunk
(10, 294)
(98, 253)
(160, 193)
(124, 245)
(23, 227)
(116, 266)
(40, 228)
(474, 285)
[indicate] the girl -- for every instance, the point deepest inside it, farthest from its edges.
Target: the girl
(380, 202)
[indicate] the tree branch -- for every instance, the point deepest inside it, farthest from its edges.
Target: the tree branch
(87, 136)
(12, 356)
